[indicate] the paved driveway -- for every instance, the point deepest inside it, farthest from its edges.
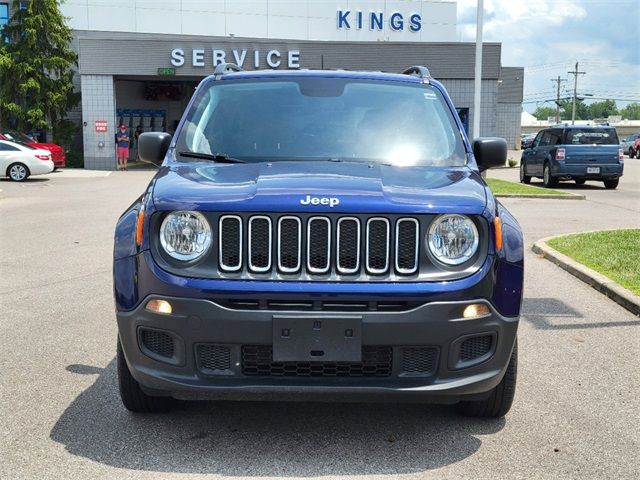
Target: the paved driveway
(575, 414)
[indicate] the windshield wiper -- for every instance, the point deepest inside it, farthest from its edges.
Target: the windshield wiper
(216, 157)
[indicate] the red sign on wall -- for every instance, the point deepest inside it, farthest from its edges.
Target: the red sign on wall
(101, 126)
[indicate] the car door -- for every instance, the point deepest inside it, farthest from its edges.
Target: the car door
(537, 153)
(8, 154)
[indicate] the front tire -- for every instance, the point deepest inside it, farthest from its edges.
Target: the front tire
(499, 401)
(133, 398)
(18, 172)
(631, 153)
(611, 184)
(524, 178)
(547, 180)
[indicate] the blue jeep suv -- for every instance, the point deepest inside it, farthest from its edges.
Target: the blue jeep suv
(318, 234)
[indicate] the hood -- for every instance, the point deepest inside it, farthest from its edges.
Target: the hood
(352, 187)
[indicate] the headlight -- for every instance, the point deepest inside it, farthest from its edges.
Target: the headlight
(452, 239)
(185, 235)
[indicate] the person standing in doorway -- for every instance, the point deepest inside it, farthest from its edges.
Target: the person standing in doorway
(122, 141)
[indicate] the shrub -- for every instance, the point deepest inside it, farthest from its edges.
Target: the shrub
(512, 162)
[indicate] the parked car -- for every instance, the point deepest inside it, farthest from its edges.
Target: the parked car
(57, 152)
(572, 152)
(526, 140)
(314, 232)
(628, 144)
(19, 161)
(634, 150)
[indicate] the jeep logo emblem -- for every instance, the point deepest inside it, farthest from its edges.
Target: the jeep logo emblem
(309, 200)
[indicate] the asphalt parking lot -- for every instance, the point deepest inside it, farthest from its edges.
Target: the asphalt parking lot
(576, 412)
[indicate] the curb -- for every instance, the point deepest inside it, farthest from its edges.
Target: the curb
(568, 196)
(611, 289)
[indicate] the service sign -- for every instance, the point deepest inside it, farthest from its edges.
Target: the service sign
(244, 58)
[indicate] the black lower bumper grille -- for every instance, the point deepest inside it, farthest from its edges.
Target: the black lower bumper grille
(158, 343)
(475, 347)
(257, 360)
(419, 360)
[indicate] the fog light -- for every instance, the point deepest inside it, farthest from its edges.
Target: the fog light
(476, 310)
(160, 306)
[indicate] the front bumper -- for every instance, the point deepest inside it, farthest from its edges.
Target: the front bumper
(437, 327)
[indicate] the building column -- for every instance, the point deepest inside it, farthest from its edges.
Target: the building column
(98, 109)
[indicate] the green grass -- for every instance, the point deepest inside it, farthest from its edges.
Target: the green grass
(502, 187)
(615, 254)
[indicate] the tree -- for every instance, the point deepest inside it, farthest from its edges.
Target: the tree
(602, 109)
(631, 111)
(566, 105)
(543, 113)
(36, 67)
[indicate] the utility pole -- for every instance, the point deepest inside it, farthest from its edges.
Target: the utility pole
(477, 84)
(575, 74)
(559, 81)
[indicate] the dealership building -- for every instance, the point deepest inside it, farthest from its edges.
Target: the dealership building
(140, 60)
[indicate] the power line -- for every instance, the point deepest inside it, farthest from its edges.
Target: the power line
(559, 82)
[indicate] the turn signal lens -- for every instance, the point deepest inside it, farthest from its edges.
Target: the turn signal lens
(139, 227)
(159, 306)
(497, 225)
(476, 310)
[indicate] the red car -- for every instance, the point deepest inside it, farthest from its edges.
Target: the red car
(57, 153)
(634, 150)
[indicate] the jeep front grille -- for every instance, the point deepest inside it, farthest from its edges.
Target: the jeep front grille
(318, 246)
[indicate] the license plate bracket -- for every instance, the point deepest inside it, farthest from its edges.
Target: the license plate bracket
(593, 169)
(317, 339)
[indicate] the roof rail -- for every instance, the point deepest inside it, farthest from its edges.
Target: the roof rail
(418, 71)
(223, 68)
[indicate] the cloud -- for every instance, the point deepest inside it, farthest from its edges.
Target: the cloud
(547, 37)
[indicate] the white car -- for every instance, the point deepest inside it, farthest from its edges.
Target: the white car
(19, 161)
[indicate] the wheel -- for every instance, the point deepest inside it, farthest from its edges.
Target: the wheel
(524, 178)
(132, 396)
(547, 180)
(499, 401)
(611, 184)
(631, 152)
(580, 181)
(18, 172)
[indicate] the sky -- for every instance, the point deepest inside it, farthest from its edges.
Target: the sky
(547, 37)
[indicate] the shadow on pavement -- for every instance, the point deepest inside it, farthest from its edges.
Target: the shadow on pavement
(551, 313)
(270, 439)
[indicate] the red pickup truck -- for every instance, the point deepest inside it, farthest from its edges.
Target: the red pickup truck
(57, 153)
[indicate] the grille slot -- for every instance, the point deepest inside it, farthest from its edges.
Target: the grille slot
(260, 244)
(348, 245)
(289, 244)
(159, 343)
(377, 245)
(257, 360)
(230, 241)
(475, 347)
(407, 246)
(213, 358)
(419, 360)
(319, 244)
(308, 305)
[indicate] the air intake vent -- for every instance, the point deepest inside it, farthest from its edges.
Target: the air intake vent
(257, 360)
(213, 359)
(230, 240)
(319, 244)
(475, 347)
(260, 244)
(348, 247)
(377, 245)
(159, 343)
(419, 360)
(289, 244)
(407, 246)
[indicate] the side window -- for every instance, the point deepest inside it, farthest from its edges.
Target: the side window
(555, 137)
(4, 147)
(546, 139)
(536, 142)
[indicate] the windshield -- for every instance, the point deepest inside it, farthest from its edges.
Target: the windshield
(313, 118)
(590, 136)
(17, 136)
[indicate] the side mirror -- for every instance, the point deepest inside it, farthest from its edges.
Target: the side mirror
(153, 146)
(490, 152)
